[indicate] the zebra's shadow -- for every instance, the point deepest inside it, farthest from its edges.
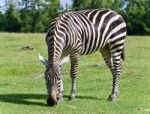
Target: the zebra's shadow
(24, 99)
(85, 97)
(32, 99)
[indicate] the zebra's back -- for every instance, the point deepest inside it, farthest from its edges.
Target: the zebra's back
(94, 28)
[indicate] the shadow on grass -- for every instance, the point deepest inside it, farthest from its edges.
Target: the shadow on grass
(25, 99)
(85, 97)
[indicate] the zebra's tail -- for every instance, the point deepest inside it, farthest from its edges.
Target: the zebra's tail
(123, 54)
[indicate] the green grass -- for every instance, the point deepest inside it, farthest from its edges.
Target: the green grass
(23, 90)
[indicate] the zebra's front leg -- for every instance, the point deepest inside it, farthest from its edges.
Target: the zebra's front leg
(116, 72)
(73, 74)
(60, 92)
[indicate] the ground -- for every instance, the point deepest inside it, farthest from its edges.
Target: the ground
(23, 90)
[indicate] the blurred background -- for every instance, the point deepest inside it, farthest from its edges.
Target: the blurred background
(36, 15)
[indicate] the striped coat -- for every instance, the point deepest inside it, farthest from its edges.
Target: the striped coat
(81, 33)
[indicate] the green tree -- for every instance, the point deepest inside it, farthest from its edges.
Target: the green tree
(101, 4)
(36, 15)
(91, 4)
(118, 5)
(81, 4)
(12, 21)
(137, 17)
(51, 10)
(2, 22)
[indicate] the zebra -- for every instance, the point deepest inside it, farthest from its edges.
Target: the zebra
(77, 33)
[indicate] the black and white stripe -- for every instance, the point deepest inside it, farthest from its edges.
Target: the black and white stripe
(85, 32)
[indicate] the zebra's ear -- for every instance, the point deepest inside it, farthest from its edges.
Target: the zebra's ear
(64, 60)
(43, 60)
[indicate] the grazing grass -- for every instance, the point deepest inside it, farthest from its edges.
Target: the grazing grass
(23, 91)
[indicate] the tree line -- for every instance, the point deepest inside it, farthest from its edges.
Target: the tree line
(28, 15)
(36, 15)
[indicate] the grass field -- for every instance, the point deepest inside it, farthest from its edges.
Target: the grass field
(23, 90)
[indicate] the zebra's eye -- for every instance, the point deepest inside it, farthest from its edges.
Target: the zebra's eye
(46, 75)
(51, 82)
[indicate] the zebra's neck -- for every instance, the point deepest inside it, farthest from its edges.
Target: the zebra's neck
(56, 42)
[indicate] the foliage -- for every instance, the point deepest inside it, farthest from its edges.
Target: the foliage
(23, 89)
(91, 4)
(2, 23)
(29, 15)
(11, 20)
(37, 15)
(137, 16)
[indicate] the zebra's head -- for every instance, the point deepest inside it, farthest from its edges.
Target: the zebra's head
(53, 79)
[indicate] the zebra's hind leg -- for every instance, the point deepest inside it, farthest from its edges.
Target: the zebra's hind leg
(116, 54)
(116, 72)
(74, 58)
(106, 53)
(112, 58)
(107, 56)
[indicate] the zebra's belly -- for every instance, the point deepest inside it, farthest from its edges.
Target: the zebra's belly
(89, 51)
(91, 48)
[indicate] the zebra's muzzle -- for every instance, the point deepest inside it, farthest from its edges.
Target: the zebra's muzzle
(51, 101)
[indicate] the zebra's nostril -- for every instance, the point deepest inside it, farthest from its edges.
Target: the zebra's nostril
(51, 102)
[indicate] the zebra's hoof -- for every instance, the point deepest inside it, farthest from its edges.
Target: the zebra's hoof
(112, 98)
(60, 99)
(71, 97)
